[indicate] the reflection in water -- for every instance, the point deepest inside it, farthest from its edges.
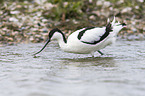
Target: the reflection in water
(89, 61)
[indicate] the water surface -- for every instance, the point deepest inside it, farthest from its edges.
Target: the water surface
(120, 72)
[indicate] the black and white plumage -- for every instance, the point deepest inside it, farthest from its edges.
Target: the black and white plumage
(86, 40)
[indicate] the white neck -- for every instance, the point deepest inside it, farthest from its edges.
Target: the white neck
(61, 40)
(62, 44)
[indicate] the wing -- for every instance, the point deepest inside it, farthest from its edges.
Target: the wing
(94, 35)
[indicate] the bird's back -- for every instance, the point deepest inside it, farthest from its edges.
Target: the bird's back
(86, 40)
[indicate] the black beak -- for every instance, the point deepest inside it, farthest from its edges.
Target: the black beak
(43, 47)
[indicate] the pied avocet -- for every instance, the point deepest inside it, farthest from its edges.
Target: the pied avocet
(86, 40)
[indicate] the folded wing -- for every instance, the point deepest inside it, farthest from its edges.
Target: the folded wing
(94, 35)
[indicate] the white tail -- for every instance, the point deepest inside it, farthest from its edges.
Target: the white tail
(108, 20)
(113, 22)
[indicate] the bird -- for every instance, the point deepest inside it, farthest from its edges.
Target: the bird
(87, 40)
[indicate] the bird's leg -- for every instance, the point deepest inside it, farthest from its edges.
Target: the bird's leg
(100, 52)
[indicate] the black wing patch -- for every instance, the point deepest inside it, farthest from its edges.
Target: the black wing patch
(83, 31)
(108, 30)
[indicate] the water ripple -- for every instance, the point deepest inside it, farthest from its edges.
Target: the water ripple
(120, 72)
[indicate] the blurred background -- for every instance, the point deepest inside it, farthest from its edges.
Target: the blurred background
(120, 72)
(31, 20)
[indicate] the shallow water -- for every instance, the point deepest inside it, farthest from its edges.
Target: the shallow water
(121, 72)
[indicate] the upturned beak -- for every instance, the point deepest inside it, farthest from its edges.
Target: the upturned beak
(43, 47)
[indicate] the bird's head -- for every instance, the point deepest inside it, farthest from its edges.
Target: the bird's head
(55, 34)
